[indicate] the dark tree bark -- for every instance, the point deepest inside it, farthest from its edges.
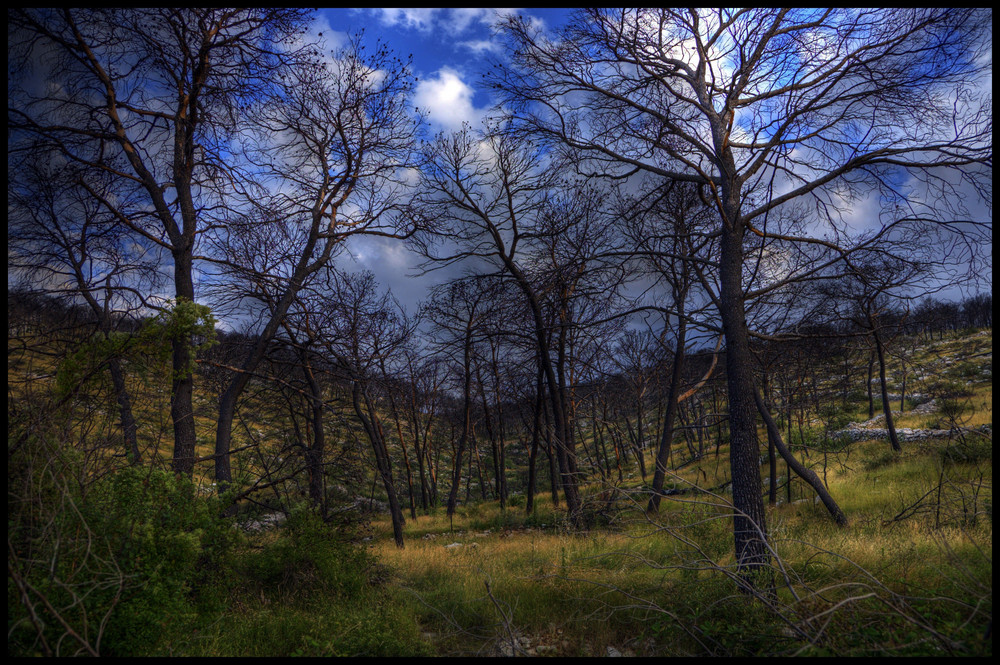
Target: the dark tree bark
(168, 117)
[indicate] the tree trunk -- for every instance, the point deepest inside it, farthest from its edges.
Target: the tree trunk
(182, 380)
(536, 434)
(807, 474)
(890, 426)
(749, 522)
(128, 423)
(871, 376)
(382, 462)
(314, 454)
(466, 423)
(667, 433)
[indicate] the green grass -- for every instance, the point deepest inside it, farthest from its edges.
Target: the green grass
(910, 575)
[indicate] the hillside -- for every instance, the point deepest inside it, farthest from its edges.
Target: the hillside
(911, 574)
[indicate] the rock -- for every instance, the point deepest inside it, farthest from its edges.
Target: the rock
(613, 653)
(856, 433)
(452, 546)
(266, 521)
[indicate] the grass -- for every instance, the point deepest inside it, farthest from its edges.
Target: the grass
(664, 586)
(911, 575)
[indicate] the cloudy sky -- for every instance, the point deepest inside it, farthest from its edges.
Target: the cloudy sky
(450, 49)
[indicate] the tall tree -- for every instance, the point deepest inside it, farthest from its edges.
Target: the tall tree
(359, 328)
(65, 243)
(763, 109)
(455, 311)
(497, 202)
(332, 145)
(153, 96)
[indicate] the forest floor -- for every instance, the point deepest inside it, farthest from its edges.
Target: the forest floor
(911, 574)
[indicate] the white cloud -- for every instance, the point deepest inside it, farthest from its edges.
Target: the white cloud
(451, 21)
(323, 32)
(459, 20)
(413, 17)
(482, 46)
(447, 99)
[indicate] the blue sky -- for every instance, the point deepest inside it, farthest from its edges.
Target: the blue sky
(450, 50)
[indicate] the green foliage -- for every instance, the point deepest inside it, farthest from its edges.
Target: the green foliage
(81, 367)
(184, 320)
(167, 539)
(952, 410)
(309, 558)
(126, 563)
(308, 591)
(949, 389)
(972, 449)
(373, 624)
(835, 417)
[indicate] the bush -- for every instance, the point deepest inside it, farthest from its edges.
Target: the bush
(169, 542)
(971, 449)
(948, 389)
(308, 591)
(516, 501)
(112, 568)
(307, 558)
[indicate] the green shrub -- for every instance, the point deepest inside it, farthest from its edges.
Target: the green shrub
(309, 557)
(121, 567)
(168, 541)
(970, 449)
(308, 591)
(948, 389)
(516, 501)
(952, 410)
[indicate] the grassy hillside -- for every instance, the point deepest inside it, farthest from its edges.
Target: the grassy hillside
(910, 575)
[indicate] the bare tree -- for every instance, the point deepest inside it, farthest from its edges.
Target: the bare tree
(358, 329)
(455, 311)
(422, 376)
(482, 196)
(65, 243)
(154, 97)
(496, 201)
(764, 109)
(867, 296)
(334, 143)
